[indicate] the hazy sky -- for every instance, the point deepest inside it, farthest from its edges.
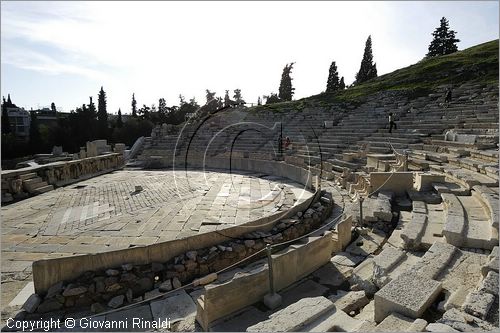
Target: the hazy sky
(63, 52)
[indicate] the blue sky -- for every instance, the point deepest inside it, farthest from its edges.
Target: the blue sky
(63, 52)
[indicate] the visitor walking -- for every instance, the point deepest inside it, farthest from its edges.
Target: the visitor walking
(392, 123)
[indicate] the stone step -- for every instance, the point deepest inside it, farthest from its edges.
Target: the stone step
(478, 233)
(334, 320)
(27, 176)
(296, 316)
(33, 183)
(453, 188)
(43, 189)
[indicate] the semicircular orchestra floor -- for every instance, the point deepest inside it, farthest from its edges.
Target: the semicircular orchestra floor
(107, 213)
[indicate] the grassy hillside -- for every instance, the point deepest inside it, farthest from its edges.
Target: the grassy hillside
(476, 64)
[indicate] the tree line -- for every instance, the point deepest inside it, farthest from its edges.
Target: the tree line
(88, 123)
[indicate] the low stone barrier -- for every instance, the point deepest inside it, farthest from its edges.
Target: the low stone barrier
(220, 300)
(397, 182)
(61, 173)
(454, 226)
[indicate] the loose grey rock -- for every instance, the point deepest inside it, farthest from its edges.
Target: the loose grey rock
(49, 305)
(32, 303)
(116, 301)
(97, 308)
(176, 283)
(191, 255)
(127, 267)
(490, 283)
(54, 290)
(129, 295)
(74, 291)
(437, 327)
(112, 272)
(478, 304)
(249, 243)
(166, 286)
(157, 267)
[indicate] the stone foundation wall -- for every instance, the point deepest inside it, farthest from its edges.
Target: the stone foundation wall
(60, 173)
(289, 265)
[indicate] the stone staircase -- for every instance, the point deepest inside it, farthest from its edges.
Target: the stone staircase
(34, 184)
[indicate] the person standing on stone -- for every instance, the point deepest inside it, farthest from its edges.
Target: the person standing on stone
(447, 97)
(391, 122)
(280, 145)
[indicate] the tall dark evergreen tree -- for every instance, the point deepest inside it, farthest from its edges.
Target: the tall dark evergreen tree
(102, 115)
(341, 83)
(162, 110)
(368, 69)
(285, 92)
(333, 79)
(91, 109)
(444, 41)
(259, 101)
(210, 96)
(119, 120)
(238, 99)
(53, 107)
(227, 100)
(134, 106)
(35, 138)
(5, 118)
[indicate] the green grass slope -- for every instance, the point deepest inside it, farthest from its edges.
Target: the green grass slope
(478, 64)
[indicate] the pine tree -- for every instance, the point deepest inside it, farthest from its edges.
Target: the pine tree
(285, 92)
(238, 99)
(368, 69)
(259, 101)
(5, 118)
(53, 107)
(119, 120)
(102, 114)
(444, 41)
(134, 106)
(341, 83)
(210, 96)
(333, 79)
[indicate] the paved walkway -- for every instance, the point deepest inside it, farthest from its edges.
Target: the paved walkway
(107, 213)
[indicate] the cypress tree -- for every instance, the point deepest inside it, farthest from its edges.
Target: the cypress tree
(341, 83)
(119, 121)
(444, 41)
(286, 90)
(227, 100)
(102, 114)
(333, 79)
(134, 106)
(368, 69)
